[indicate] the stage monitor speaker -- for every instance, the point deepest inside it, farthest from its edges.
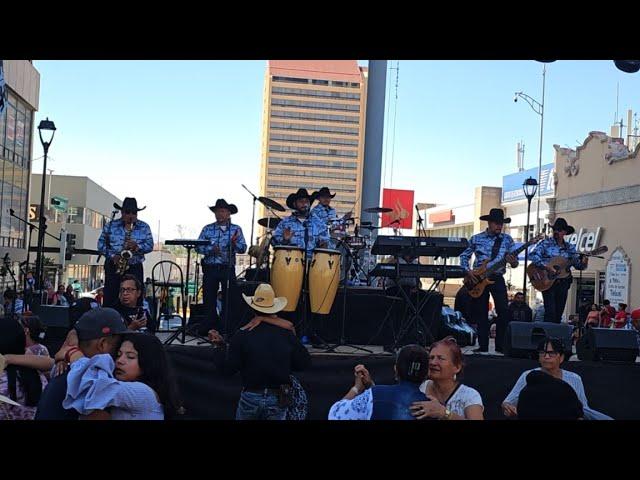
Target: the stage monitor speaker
(52, 315)
(606, 344)
(522, 338)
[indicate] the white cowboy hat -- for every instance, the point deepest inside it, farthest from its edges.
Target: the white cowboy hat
(264, 300)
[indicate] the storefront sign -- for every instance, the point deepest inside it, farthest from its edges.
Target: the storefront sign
(585, 239)
(512, 184)
(618, 276)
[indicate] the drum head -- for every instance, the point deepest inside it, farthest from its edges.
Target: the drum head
(288, 247)
(326, 250)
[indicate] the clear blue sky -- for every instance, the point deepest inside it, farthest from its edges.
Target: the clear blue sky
(179, 134)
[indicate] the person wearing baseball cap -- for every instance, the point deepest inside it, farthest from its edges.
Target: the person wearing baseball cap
(97, 331)
(265, 352)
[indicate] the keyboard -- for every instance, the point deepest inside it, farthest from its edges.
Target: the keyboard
(419, 246)
(438, 272)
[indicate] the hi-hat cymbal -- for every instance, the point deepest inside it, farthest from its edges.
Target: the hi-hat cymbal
(378, 210)
(365, 224)
(267, 202)
(269, 222)
(369, 227)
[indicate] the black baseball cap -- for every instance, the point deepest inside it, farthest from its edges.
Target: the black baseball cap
(100, 322)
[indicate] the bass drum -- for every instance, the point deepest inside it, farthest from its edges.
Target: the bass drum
(287, 273)
(324, 276)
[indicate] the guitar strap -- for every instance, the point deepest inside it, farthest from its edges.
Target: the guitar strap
(496, 247)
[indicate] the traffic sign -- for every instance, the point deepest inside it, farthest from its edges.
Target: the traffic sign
(59, 203)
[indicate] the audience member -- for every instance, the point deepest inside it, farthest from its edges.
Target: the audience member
(21, 384)
(60, 297)
(135, 316)
(620, 320)
(265, 357)
(551, 355)
(607, 314)
(519, 311)
(593, 317)
(138, 386)
(101, 331)
(449, 398)
(548, 398)
(367, 401)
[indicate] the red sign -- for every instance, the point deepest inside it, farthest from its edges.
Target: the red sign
(401, 201)
(439, 217)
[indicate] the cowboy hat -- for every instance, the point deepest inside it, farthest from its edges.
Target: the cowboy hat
(301, 193)
(264, 300)
(561, 224)
(323, 192)
(129, 204)
(496, 215)
(222, 203)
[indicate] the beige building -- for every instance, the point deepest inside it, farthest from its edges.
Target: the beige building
(313, 130)
(598, 192)
(16, 154)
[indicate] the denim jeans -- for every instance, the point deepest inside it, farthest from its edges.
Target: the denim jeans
(258, 406)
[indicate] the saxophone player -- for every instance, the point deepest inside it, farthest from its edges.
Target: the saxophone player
(123, 242)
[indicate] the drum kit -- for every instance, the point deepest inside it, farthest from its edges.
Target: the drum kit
(288, 266)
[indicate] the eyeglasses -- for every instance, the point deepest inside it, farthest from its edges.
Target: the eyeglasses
(548, 353)
(128, 290)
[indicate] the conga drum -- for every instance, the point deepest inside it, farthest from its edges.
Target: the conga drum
(287, 273)
(324, 276)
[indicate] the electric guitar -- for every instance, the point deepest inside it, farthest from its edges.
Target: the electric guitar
(543, 280)
(477, 288)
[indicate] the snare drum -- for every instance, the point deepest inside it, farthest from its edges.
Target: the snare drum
(324, 276)
(287, 273)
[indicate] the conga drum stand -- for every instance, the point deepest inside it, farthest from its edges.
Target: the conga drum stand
(342, 342)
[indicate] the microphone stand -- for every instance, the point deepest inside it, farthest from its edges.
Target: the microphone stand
(228, 282)
(253, 218)
(422, 232)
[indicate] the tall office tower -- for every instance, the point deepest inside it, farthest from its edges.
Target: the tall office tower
(313, 130)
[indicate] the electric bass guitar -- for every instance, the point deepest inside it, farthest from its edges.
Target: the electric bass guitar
(483, 273)
(543, 280)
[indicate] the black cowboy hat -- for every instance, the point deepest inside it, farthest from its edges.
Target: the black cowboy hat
(561, 224)
(301, 193)
(222, 203)
(129, 204)
(496, 215)
(323, 192)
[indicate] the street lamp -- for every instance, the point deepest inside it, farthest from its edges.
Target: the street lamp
(48, 128)
(539, 109)
(529, 188)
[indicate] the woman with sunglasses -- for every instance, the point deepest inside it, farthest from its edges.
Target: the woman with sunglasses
(551, 355)
(448, 398)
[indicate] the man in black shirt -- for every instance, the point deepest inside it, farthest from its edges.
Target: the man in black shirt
(518, 310)
(265, 355)
(97, 331)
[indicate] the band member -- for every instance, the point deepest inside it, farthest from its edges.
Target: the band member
(492, 245)
(326, 213)
(301, 229)
(556, 296)
(125, 234)
(219, 262)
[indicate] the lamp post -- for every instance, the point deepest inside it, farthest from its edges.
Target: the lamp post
(49, 129)
(529, 188)
(539, 109)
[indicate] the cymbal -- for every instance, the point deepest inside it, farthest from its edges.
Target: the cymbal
(378, 210)
(267, 202)
(365, 224)
(369, 227)
(269, 222)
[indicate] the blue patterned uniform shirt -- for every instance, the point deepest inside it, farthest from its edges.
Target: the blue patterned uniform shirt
(481, 244)
(218, 234)
(317, 233)
(548, 248)
(115, 232)
(327, 216)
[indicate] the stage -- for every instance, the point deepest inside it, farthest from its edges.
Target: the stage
(613, 389)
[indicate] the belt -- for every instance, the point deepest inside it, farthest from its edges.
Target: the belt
(263, 391)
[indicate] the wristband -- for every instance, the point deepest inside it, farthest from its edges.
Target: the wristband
(355, 390)
(71, 351)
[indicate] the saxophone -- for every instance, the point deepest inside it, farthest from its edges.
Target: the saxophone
(125, 255)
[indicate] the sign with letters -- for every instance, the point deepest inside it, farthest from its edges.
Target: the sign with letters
(618, 277)
(512, 184)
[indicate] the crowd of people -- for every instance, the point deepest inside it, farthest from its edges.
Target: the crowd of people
(112, 367)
